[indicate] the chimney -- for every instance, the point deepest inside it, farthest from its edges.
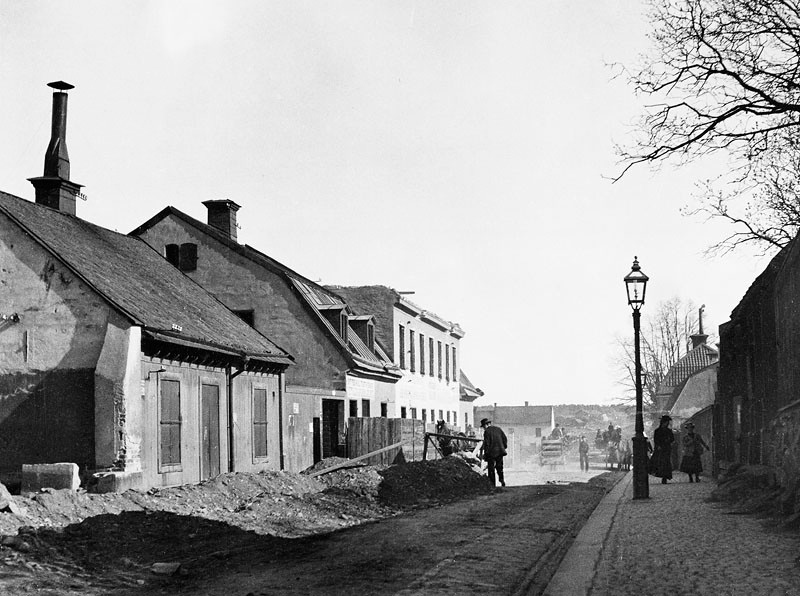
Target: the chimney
(222, 216)
(54, 189)
(699, 338)
(526, 404)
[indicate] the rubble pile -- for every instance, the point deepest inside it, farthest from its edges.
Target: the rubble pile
(428, 482)
(275, 503)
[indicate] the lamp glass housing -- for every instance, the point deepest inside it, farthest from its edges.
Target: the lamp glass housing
(636, 285)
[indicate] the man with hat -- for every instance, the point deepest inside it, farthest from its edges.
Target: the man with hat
(493, 449)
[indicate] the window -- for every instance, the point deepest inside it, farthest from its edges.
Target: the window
(371, 337)
(365, 408)
(430, 353)
(447, 363)
(402, 336)
(538, 432)
(448, 416)
(424, 415)
(353, 408)
(421, 354)
(441, 415)
(466, 420)
(414, 413)
(412, 355)
(384, 409)
(455, 368)
(439, 353)
(184, 257)
(259, 423)
(343, 325)
(170, 422)
(247, 316)
(403, 412)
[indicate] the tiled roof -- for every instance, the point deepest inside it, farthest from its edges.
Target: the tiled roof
(696, 359)
(139, 282)
(316, 297)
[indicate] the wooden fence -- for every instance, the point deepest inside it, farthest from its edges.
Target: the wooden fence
(365, 435)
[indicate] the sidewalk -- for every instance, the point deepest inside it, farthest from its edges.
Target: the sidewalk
(676, 544)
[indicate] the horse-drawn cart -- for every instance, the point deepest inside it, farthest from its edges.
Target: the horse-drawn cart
(552, 452)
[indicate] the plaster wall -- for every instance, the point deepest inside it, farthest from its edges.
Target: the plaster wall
(278, 311)
(52, 332)
(425, 391)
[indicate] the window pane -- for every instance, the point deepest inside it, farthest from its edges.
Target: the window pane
(259, 405)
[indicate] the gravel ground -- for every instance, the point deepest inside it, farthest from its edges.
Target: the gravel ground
(679, 543)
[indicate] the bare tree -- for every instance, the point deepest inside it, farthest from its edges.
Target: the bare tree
(724, 75)
(665, 338)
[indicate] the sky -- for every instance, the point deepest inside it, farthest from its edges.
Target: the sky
(461, 150)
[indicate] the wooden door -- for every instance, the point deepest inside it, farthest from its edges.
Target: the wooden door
(209, 432)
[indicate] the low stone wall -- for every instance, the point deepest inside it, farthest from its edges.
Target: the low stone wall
(781, 443)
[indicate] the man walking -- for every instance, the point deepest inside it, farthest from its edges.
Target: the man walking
(493, 449)
(583, 452)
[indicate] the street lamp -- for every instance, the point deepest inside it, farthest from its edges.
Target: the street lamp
(636, 285)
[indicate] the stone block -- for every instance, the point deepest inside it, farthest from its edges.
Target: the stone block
(116, 482)
(7, 501)
(58, 476)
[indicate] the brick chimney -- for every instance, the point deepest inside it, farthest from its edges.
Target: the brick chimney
(54, 189)
(222, 216)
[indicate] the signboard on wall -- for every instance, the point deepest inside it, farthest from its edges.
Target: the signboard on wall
(360, 388)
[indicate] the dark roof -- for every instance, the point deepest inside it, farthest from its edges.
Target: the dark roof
(139, 283)
(314, 296)
(695, 360)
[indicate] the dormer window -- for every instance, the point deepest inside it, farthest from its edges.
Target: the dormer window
(364, 328)
(183, 256)
(337, 317)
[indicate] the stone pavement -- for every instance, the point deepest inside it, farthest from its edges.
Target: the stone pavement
(676, 543)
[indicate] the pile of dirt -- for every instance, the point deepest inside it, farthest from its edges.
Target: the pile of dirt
(275, 503)
(429, 482)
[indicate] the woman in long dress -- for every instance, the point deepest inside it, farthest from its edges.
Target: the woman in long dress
(693, 445)
(662, 453)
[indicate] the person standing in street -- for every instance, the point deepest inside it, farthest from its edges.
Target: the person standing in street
(693, 445)
(662, 454)
(583, 453)
(493, 449)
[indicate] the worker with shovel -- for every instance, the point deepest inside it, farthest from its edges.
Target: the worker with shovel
(493, 449)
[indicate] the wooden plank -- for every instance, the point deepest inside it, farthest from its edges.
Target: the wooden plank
(355, 459)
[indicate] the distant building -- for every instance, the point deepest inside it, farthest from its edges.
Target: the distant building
(676, 381)
(524, 426)
(425, 347)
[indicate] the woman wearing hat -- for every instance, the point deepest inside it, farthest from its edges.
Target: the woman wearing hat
(662, 454)
(693, 445)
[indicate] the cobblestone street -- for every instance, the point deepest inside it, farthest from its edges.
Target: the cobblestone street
(678, 543)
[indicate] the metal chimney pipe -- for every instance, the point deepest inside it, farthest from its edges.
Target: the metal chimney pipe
(56, 159)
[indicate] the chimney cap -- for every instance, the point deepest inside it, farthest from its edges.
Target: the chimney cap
(227, 202)
(61, 85)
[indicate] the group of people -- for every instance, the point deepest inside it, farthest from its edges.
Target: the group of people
(661, 459)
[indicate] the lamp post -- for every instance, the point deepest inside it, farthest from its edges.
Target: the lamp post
(636, 284)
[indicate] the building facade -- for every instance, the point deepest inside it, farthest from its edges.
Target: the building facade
(341, 368)
(423, 346)
(112, 359)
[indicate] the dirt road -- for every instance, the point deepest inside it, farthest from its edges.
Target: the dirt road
(240, 535)
(505, 543)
